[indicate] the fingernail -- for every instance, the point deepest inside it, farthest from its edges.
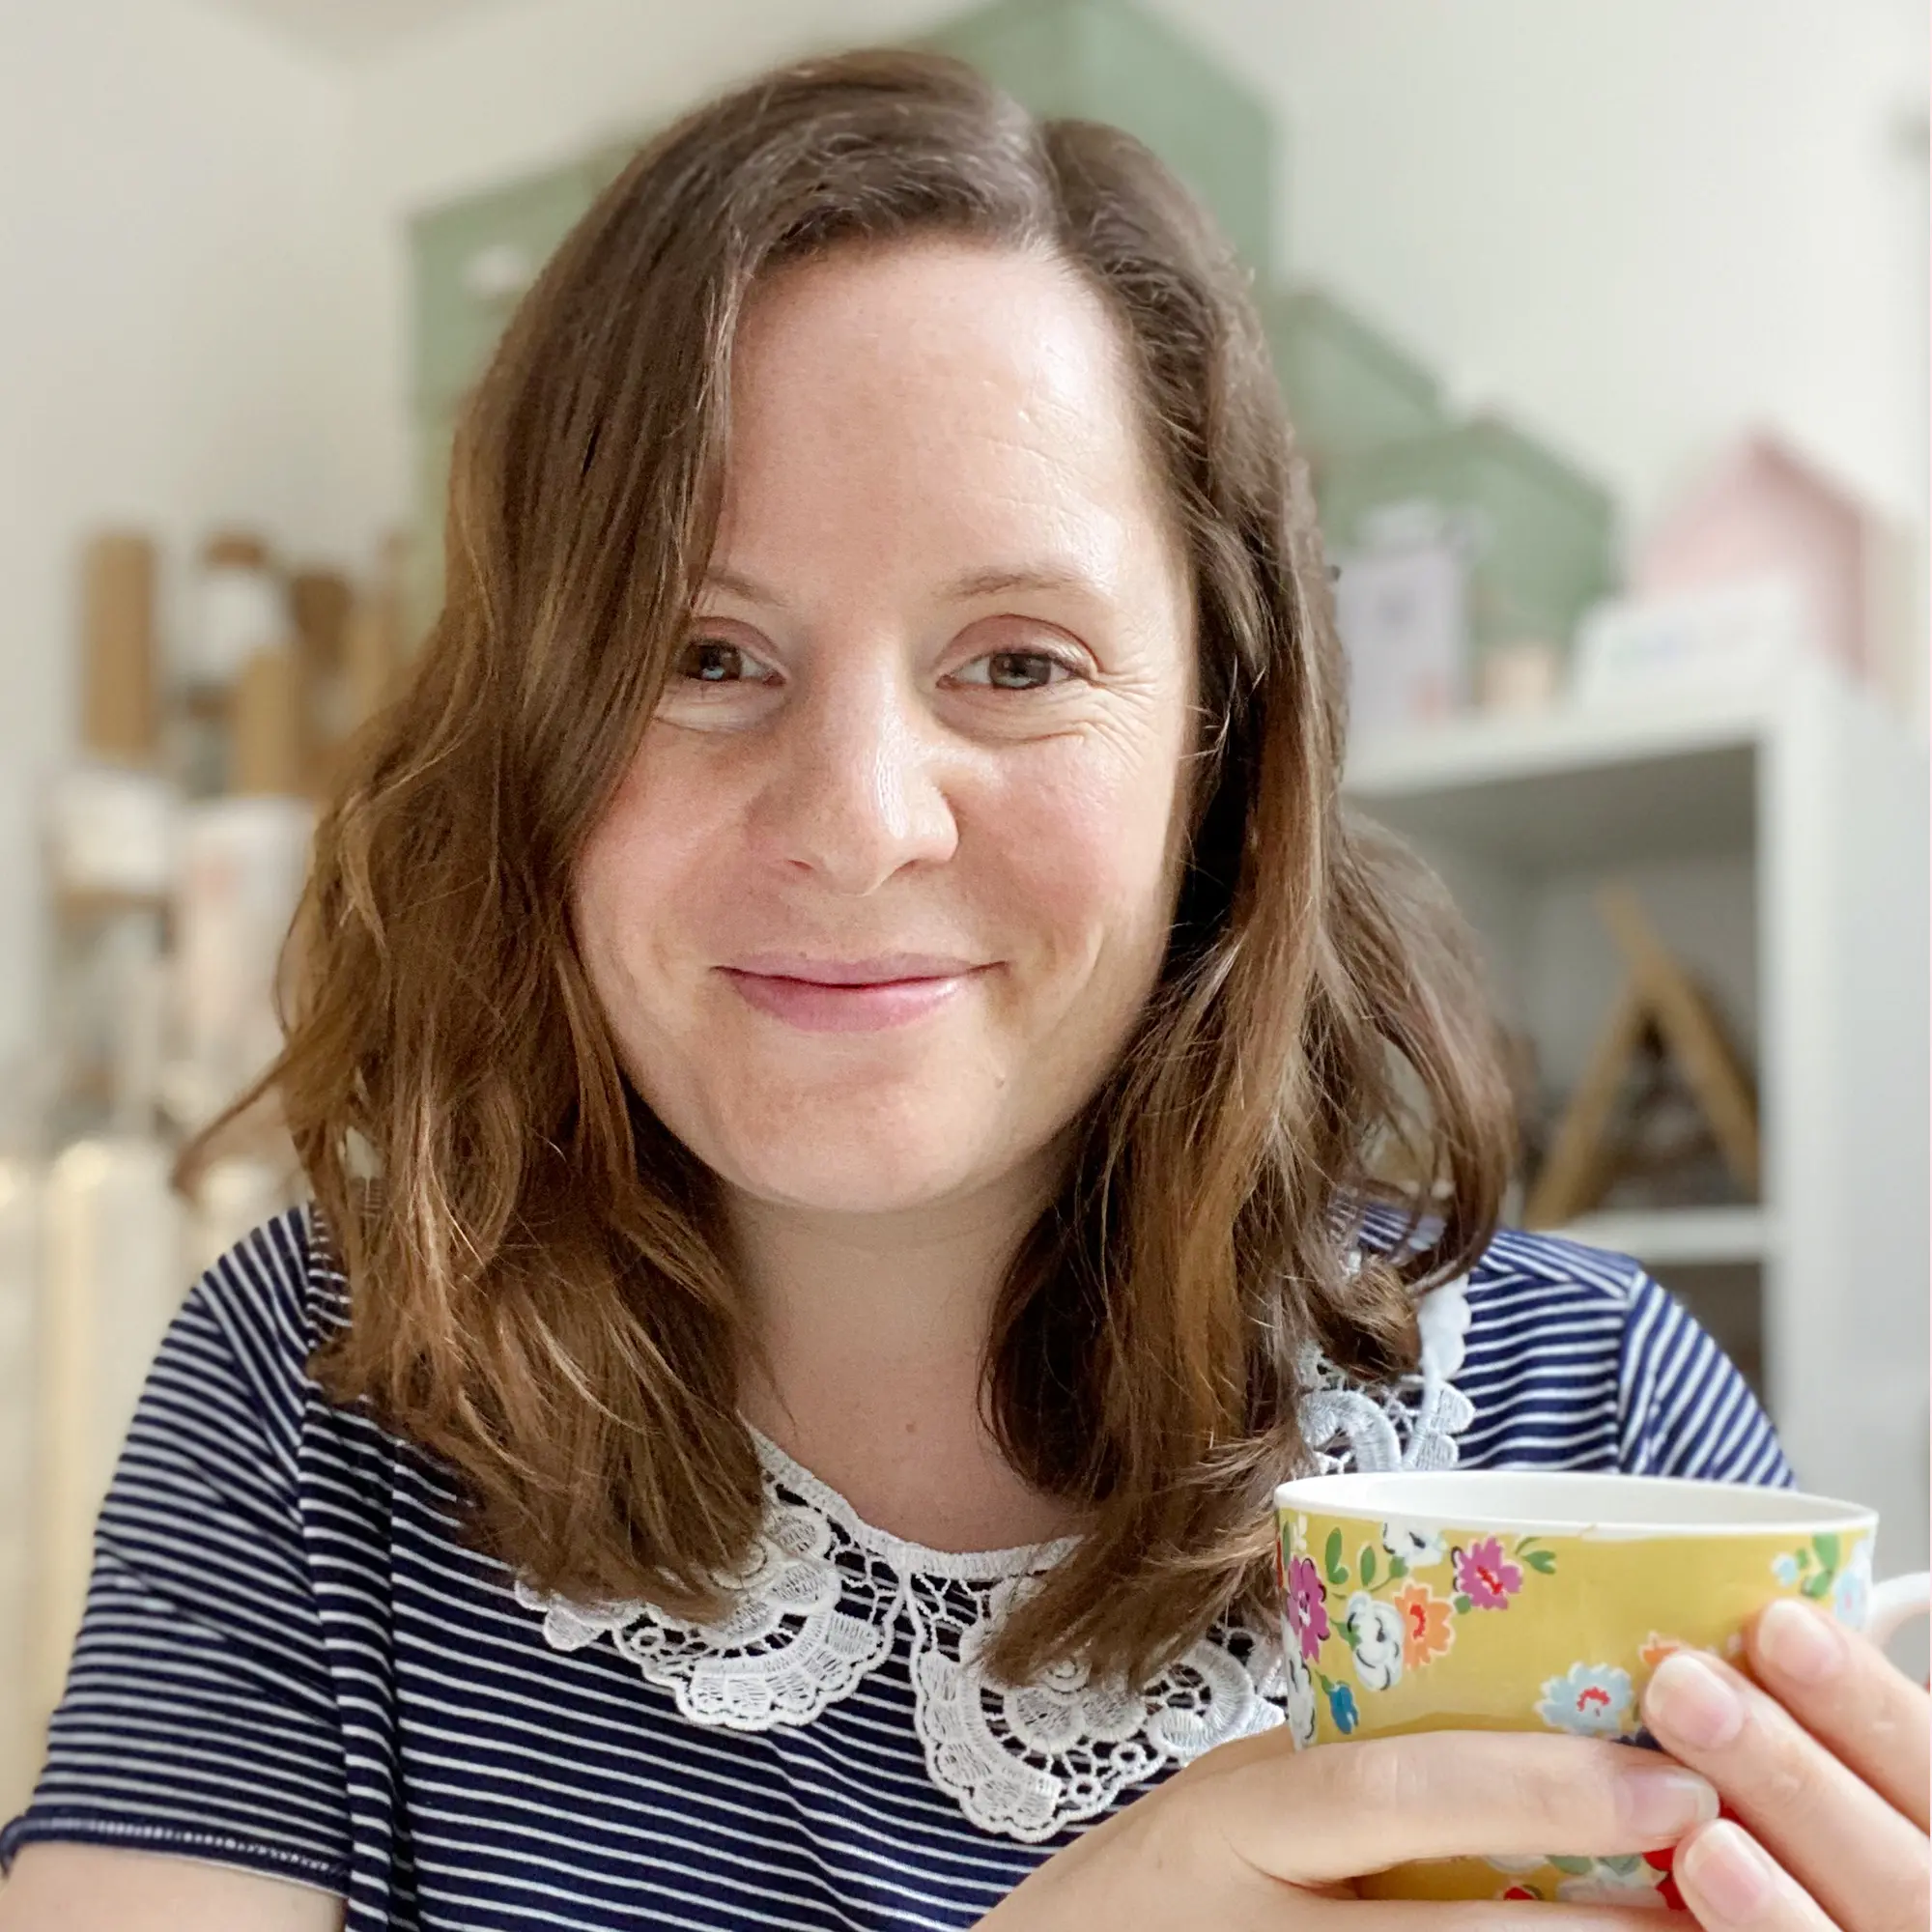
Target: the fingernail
(1800, 1643)
(1689, 1701)
(1728, 1875)
(1661, 1805)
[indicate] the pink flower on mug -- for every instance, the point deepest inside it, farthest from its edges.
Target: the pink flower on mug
(1486, 1576)
(1591, 1699)
(1307, 1607)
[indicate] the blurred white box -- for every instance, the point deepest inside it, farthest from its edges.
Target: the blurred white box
(1401, 608)
(1736, 636)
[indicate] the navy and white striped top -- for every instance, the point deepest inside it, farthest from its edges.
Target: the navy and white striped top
(289, 1662)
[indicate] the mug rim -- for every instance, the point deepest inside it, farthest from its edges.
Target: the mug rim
(1802, 1515)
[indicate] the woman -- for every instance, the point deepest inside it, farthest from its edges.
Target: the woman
(841, 1040)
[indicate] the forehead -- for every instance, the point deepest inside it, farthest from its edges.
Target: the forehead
(935, 397)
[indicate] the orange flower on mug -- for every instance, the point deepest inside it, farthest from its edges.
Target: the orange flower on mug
(1659, 1648)
(1428, 1625)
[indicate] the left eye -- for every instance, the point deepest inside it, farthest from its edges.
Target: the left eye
(1017, 671)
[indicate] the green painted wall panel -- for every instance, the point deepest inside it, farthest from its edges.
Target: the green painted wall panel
(1347, 386)
(467, 258)
(1109, 60)
(1544, 532)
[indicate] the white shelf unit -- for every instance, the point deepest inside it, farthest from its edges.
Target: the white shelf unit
(1778, 842)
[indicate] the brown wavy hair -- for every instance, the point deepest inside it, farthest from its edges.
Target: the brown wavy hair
(536, 1291)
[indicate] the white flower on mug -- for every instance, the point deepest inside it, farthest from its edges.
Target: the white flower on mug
(1606, 1887)
(1301, 1705)
(1417, 1547)
(1374, 1634)
(1517, 1867)
(1591, 1699)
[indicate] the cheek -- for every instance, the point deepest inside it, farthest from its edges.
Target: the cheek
(639, 872)
(1090, 849)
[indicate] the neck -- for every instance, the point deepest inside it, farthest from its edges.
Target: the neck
(874, 1329)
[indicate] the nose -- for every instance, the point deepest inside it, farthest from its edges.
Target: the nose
(856, 790)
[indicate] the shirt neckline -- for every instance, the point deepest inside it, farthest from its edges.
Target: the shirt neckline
(904, 1556)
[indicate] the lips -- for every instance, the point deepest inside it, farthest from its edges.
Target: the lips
(883, 969)
(862, 1005)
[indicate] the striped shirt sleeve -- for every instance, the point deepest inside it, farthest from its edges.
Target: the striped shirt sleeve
(1683, 1409)
(199, 1714)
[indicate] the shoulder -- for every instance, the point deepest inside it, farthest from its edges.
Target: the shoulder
(1575, 1358)
(276, 1289)
(1527, 1284)
(250, 1323)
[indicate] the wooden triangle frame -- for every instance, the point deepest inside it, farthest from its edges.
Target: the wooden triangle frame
(1657, 993)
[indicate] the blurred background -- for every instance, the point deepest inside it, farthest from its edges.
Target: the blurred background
(1605, 325)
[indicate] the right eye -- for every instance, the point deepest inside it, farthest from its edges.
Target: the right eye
(716, 661)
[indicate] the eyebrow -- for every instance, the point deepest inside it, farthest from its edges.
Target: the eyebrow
(989, 581)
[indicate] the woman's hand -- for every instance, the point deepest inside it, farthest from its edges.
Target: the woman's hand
(1827, 1766)
(1258, 1838)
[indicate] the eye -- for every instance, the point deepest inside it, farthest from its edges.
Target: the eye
(717, 661)
(1018, 670)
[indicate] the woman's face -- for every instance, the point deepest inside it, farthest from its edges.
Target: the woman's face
(936, 704)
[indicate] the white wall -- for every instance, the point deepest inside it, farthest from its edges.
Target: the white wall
(170, 209)
(1636, 224)
(520, 89)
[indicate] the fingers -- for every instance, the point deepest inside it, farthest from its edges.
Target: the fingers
(1728, 1880)
(1845, 1692)
(1503, 1916)
(1332, 1813)
(1866, 1865)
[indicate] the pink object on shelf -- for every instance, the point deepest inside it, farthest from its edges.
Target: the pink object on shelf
(1765, 512)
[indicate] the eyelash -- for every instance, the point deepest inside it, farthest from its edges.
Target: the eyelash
(723, 644)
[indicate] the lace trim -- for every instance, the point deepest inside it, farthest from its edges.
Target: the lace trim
(823, 1597)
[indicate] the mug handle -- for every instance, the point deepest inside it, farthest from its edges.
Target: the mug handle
(1896, 1600)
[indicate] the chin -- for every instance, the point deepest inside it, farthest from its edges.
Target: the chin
(843, 1165)
(842, 1184)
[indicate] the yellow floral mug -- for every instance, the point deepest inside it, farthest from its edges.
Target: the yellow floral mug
(1507, 1600)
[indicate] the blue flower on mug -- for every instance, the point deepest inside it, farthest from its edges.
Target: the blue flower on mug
(1785, 1569)
(1850, 1590)
(1374, 1635)
(1592, 1699)
(1342, 1708)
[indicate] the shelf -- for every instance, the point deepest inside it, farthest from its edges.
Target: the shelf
(1678, 1237)
(1573, 786)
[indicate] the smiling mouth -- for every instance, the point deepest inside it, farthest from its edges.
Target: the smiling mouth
(850, 1005)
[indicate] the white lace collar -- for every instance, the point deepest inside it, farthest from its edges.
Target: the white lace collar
(824, 1596)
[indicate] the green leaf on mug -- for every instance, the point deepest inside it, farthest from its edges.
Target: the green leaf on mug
(1819, 1586)
(1827, 1546)
(1461, 1603)
(1397, 1568)
(1804, 1559)
(1625, 1866)
(1573, 1867)
(1331, 1559)
(1543, 1560)
(1368, 1567)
